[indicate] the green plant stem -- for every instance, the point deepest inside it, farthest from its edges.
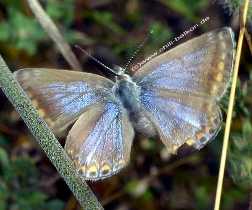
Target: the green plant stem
(46, 139)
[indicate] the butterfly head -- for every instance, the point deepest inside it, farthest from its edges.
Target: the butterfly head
(119, 70)
(121, 75)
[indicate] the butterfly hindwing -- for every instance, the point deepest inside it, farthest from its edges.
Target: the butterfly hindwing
(182, 119)
(180, 88)
(100, 141)
(61, 96)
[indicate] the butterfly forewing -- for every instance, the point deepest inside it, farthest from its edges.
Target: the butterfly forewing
(100, 141)
(61, 96)
(180, 88)
(199, 66)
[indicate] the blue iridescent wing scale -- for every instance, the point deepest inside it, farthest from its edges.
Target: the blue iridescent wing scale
(61, 96)
(199, 66)
(180, 88)
(100, 141)
(182, 118)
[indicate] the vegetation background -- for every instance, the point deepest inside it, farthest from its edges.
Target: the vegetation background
(112, 31)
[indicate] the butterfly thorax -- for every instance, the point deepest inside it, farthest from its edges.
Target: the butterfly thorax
(128, 92)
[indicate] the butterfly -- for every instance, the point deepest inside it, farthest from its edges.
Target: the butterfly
(173, 96)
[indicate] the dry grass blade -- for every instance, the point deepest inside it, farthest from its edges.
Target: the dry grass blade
(230, 109)
(54, 34)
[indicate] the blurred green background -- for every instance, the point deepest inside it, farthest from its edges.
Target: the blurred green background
(111, 30)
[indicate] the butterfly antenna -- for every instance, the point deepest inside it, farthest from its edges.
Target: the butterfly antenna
(138, 49)
(95, 59)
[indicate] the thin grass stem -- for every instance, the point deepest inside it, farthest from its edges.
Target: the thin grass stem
(230, 109)
(53, 32)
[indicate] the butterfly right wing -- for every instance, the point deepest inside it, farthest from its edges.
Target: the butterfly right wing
(201, 66)
(61, 96)
(100, 141)
(181, 87)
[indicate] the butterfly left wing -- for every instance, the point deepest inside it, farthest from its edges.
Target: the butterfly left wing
(100, 141)
(180, 88)
(61, 96)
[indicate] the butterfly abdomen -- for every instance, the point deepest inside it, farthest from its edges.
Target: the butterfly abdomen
(129, 95)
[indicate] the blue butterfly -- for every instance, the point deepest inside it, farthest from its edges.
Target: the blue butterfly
(173, 96)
